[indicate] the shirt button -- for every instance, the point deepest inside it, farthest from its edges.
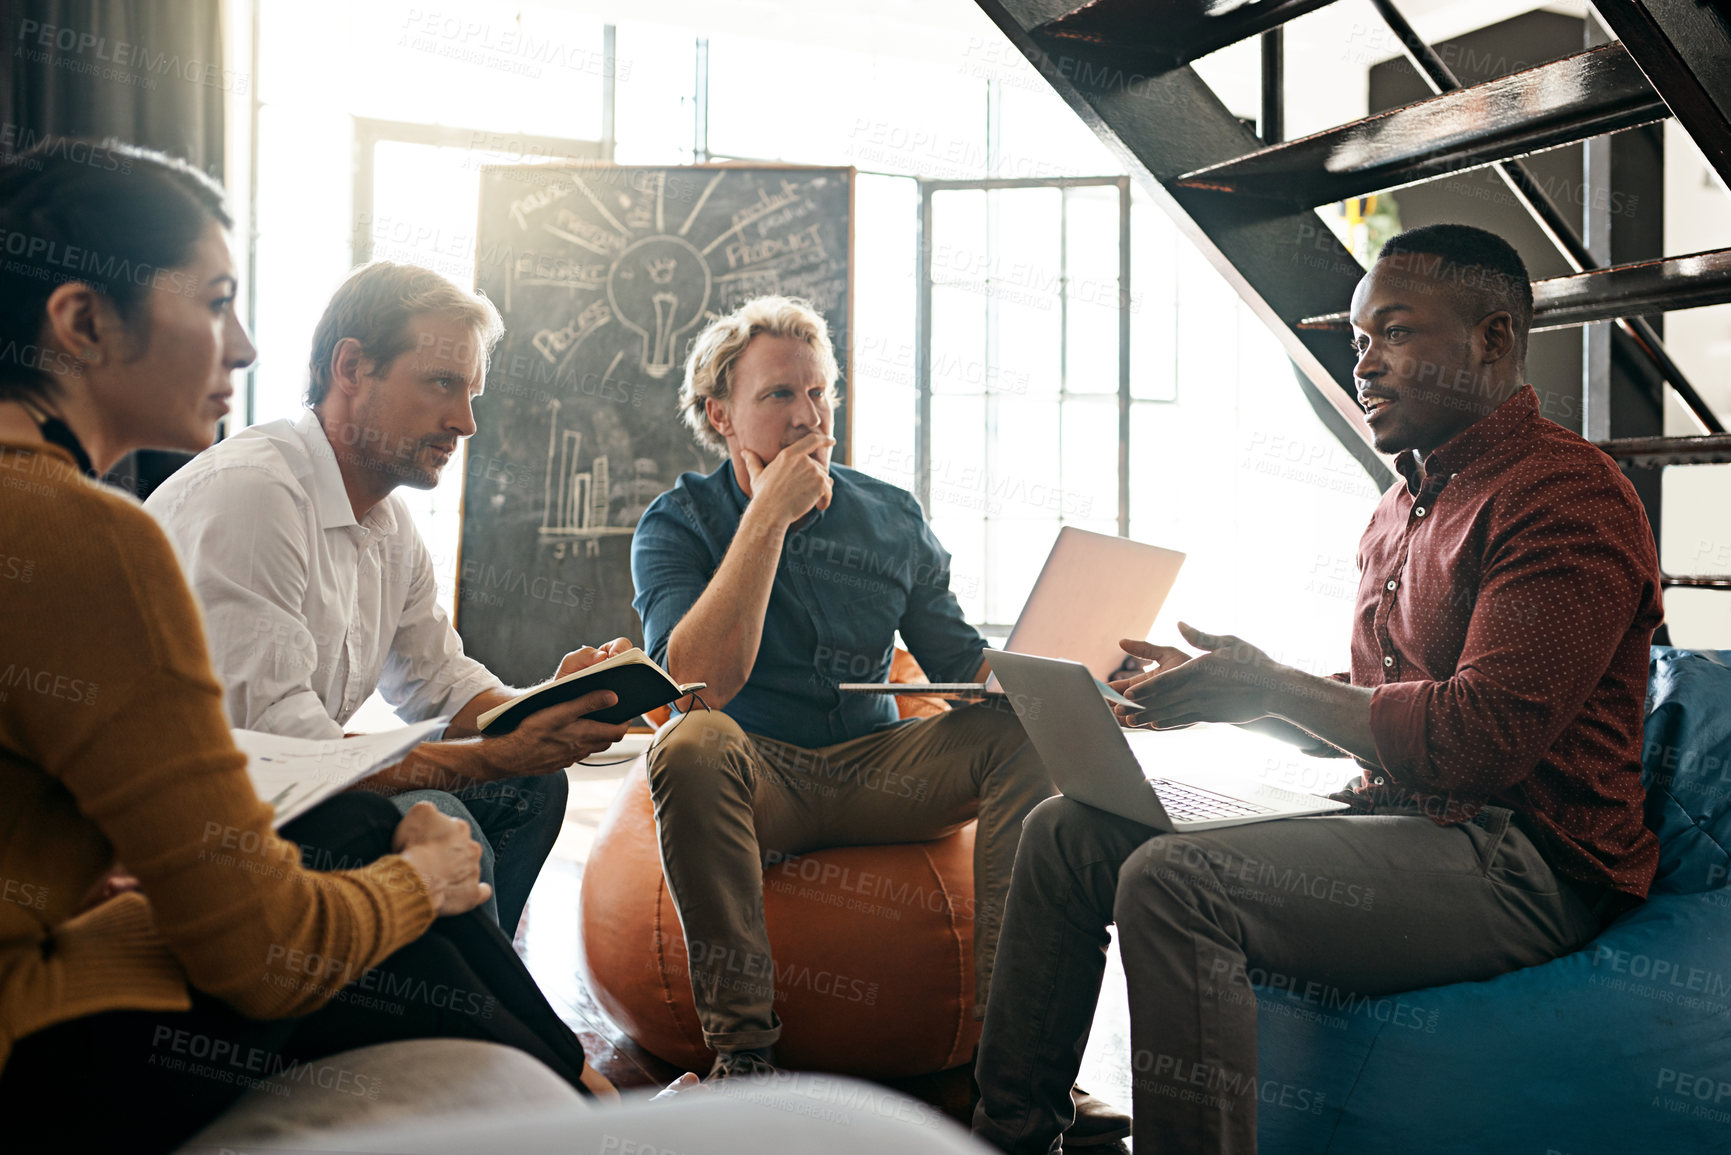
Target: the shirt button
(1418, 511)
(1392, 583)
(1377, 781)
(1387, 660)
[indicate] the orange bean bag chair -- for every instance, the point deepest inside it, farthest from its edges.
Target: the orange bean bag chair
(873, 946)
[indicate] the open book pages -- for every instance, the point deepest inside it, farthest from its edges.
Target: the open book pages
(633, 676)
(296, 774)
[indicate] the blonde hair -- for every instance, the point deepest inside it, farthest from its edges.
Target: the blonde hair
(375, 305)
(715, 352)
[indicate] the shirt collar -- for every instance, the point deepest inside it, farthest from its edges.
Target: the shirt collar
(335, 511)
(1471, 443)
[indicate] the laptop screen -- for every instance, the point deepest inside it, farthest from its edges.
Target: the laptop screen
(1093, 590)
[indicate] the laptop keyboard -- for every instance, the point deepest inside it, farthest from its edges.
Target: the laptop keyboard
(1188, 804)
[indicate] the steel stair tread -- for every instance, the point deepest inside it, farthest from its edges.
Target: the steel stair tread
(1156, 34)
(1663, 285)
(1559, 103)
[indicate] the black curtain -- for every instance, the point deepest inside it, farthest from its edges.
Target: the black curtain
(146, 72)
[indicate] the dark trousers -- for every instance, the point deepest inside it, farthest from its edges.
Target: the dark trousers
(139, 1081)
(522, 818)
(516, 821)
(1340, 909)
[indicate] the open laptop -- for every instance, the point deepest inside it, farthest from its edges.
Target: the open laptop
(1093, 590)
(1091, 758)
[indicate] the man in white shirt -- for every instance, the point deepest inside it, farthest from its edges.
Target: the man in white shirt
(317, 589)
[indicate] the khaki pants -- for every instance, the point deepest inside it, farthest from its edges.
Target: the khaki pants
(728, 802)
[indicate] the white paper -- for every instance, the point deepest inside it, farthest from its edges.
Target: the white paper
(296, 774)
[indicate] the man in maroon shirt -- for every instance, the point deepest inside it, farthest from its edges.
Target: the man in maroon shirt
(1508, 591)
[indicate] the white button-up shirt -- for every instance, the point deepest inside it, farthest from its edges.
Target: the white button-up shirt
(308, 610)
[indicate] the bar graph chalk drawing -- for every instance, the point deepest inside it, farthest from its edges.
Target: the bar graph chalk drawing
(605, 275)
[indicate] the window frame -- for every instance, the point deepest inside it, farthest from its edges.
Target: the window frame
(923, 328)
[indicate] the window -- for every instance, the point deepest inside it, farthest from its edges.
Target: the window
(1192, 435)
(1027, 377)
(387, 165)
(506, 76)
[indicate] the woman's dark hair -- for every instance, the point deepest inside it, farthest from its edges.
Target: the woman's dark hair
(112, 216)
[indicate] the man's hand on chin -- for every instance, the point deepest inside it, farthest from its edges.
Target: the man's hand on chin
(1231, 681)
(795, 481)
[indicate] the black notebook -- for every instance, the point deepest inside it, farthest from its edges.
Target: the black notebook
(640, 683)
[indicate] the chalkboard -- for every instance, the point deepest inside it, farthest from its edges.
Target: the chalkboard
(604, 276)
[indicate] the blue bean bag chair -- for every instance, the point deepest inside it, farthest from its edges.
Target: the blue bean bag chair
(1624, 1046)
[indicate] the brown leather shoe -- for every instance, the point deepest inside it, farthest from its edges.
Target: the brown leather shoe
(1097, 1122)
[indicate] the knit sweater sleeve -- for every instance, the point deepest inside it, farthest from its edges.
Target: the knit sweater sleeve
(148, 757)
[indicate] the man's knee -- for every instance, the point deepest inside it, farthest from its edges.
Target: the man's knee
(550, 792)
(989, 723)
(1166, 871)
(994, 728)
(445, 803)
(506, 803)
(1062, 826)
(1045, 822)
(695, 746)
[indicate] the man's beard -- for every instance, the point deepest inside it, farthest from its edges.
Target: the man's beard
(411, 469)
(385, 456)
(418, 472)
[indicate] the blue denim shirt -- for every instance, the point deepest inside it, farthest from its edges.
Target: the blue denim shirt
(849, 578)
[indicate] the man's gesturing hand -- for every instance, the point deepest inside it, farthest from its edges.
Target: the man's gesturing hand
(1232, 681)
(1165, 659)
(553, 738)
(795, 482)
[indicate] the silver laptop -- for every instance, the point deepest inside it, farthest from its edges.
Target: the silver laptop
(1093, 590)
(1092, 760)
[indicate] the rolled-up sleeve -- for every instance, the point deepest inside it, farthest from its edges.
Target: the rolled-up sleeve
(1558, 594)
(426, 673)
(947, 648)
(670, 568)
(245, 551)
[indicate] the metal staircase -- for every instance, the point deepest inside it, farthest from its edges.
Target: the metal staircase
(1124, 67)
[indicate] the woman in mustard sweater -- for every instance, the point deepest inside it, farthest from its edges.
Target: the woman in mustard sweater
(128, 1020)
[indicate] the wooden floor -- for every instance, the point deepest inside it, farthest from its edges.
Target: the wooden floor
(550, 942)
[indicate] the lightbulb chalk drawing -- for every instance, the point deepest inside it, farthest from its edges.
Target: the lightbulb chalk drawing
(659, 288)
(658, 284)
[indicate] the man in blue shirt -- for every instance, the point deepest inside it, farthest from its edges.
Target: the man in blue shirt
(775, 579)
